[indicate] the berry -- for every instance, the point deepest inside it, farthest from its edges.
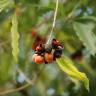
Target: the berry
(47, 53)
(37, 59)
(56, 55)
(33, 57)
(38, 48)
(38, 40)
(55, 43)
(58, 51)
(48, 57)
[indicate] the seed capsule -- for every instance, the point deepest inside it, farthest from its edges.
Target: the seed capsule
(38, 48)
(38, 59)
(33, 57)
(48, 57)
(55, 43)
(47, 53)
(56, 55)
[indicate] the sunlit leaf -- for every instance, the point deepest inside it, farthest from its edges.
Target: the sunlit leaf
(15, 38)
(84, 32)
(68, 67)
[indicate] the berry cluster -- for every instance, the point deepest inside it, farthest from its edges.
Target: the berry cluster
(47, 53)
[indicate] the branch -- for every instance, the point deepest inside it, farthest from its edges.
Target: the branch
(14, 90)
(29, 83)
(26, 78)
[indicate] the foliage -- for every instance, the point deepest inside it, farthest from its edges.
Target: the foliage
(88, 39)
(75, 26)
(67, 66)
(15, 38)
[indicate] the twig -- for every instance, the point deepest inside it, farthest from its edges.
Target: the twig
(26, 78)
(54, 20)
(29, 83)
(14, 90)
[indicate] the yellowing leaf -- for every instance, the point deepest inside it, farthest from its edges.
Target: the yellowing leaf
(15, 38)
(67, 66)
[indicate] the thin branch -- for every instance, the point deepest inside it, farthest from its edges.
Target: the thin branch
(14, 90)
(26, 78)
(54, 20)
(29, 83)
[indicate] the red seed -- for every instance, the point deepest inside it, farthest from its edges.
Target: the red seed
(38, 48)
(33, 57)
(39, 59)
(48, 57)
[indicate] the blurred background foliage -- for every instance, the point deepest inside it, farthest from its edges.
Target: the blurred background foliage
(75, 26)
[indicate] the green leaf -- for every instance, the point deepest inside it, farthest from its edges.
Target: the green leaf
(15, 38)
(67, 66)
(4, 4)
(92, 18)
(85, 34)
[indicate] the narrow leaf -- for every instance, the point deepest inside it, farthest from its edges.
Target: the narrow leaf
(84, 32)
(15, 38)
(92, 18)
(67, 66)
